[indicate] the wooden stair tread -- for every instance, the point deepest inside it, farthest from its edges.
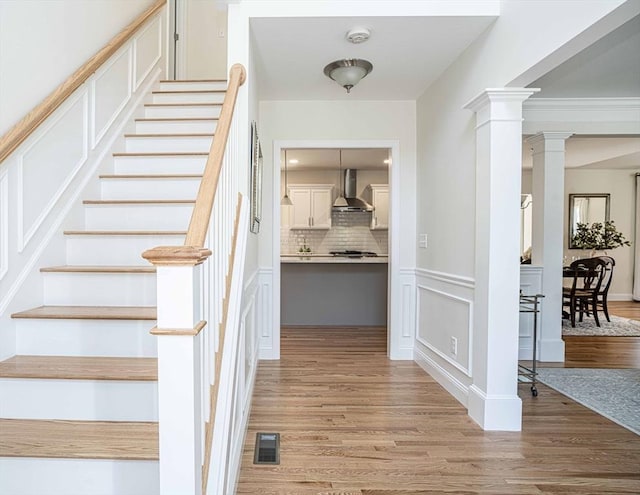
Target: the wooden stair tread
(151, 176)
(172, 136)
(179, 119)
(79, 439)
(187, 91)
(191, 80)
(98, 269)
(183, 104)
(137, 201)
(125, 232)
(169, 154)
(90, 313)
(80, 368)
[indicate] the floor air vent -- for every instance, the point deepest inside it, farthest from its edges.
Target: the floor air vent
(267, 449)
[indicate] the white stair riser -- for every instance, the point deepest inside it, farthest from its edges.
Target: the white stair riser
(78, 477)
(193, 85)
(169, 188)
(114, 250)
(160, 164)
(86, 400)
(182, 111)
(188, 97)
(168, 144)
(138, 216)
(176, 126)
(107, 338)
(99, 289)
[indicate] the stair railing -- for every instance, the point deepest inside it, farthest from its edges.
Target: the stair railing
(30, 122)
(198, 298)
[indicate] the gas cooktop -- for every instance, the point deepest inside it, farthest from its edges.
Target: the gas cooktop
(353, 254)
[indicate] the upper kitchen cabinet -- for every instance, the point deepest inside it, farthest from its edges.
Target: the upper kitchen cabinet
(311, 206)
(380, 203)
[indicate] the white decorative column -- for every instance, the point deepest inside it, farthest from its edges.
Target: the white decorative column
(180, 420)
(493, 400)
(547, 245)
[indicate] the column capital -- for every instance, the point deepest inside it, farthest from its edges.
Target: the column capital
(499, 104)
(541, 140)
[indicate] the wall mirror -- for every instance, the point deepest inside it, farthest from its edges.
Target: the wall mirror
(586, 208)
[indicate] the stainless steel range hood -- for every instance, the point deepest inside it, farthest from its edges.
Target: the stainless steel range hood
(354, 203)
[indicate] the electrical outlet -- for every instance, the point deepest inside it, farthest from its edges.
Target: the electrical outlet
(454, 346)
(422, 240)
(221, 33)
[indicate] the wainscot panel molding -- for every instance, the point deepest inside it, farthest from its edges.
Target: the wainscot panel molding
(267, 347)
(431, 329)
(402, 347)
(56, 165)
(4, 223)
(111, 90)
(48, 162)
(530, 284)
(448, 278)
(147, 49)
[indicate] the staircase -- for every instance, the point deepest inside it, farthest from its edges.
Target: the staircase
(79, 400)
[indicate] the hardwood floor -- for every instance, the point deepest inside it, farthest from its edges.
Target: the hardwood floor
(354, 423)
(606, 352)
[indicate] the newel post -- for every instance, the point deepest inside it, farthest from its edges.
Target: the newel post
(179, 363)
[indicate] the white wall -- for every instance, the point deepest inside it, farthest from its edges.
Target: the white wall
(206, 40)
(620, 184)
(524, 36)
(44, 42)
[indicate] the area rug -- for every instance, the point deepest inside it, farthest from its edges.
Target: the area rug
(614, 394)
(619, 327)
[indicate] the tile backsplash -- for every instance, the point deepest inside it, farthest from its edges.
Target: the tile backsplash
(348, 231)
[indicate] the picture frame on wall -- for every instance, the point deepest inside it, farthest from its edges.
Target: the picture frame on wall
(256, 180)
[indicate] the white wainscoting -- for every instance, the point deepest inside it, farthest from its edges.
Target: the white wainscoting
(444, 311)
(58, 165)
(269, 349)
(530, 284)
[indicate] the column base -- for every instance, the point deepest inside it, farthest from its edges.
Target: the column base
(495, 412)
(551, 350)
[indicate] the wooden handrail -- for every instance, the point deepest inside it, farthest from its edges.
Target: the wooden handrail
(199, 223)
(23, 129)
(213, 391)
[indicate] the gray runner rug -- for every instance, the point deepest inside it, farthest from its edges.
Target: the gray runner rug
(619, 327)
(612, 393)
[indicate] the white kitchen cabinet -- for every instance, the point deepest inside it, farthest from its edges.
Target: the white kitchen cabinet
(311, 206)
(380, 203)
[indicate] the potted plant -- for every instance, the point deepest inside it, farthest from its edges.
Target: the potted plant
(598, 237)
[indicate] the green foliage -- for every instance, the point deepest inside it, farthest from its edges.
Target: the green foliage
(598, 236)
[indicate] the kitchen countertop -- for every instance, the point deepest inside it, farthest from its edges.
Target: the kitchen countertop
(327, 258)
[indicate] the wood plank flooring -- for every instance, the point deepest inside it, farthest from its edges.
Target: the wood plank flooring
(606, 352)
(354, 423)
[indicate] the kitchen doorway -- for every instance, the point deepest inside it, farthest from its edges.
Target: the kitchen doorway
(316, 268)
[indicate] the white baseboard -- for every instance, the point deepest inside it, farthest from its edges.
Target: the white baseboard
(620, 297)
(451, 384)
(495, 412)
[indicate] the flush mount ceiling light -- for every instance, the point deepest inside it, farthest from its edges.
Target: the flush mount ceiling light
(348, 72)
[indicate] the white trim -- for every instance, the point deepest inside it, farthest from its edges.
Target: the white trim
(396, 349)
(495, 412)
(449, 382)
(55, 226)
(137, 80)
(466, 370)
(96, 136)
(24, 239)
(4, 223)
(449, 278)
(620, 297)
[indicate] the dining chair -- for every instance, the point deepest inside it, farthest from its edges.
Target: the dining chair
(601, 297)
(582, 296)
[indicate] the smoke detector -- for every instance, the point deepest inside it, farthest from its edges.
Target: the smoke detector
(358, 35)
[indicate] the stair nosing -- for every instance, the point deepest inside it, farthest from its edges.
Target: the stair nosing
(165, 154)
(183, 104)
(126, 232)
(188, 91)
(137, 201)
(180, 81)
(92, 313)
(172, 136)
(179, 119)
(135, 269)
(150, 176)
